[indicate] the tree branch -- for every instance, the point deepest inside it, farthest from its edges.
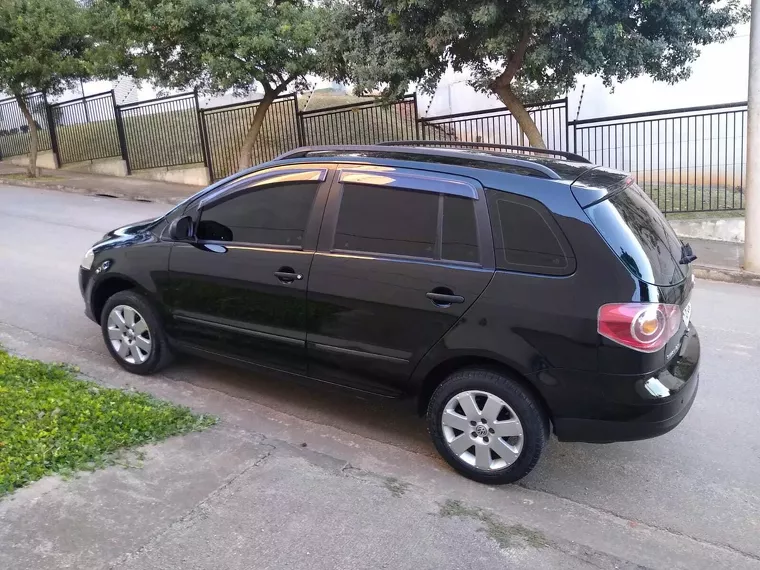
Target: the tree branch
(515, 62)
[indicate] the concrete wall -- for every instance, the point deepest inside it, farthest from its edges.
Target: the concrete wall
(729, 229)
(194, 174)
(45, 159)
(107, 166)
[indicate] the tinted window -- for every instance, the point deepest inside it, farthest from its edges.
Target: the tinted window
(460, 234)
(640, 235)
(273, 215)
(527, 238)
(378, 219)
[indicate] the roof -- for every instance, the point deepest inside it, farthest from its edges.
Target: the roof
(525, 161)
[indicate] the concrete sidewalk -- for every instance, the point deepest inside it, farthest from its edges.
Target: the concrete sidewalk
(129, 188)
(721, 261)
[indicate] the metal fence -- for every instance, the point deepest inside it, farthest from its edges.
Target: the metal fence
(162, 132)
(687, 160)
(361, 123)
(14, 128)
(86, 128)
(224, 129)
(498, 126)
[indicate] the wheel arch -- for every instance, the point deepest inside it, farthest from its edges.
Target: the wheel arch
(443, 369)
(107, 288)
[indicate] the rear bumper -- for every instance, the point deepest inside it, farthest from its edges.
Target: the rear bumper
(627, 408)
(645, 426)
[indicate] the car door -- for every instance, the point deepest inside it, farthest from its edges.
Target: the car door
(402, 254)
(238, 286)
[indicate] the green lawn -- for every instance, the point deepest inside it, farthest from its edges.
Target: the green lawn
(679, 198)
(53, 422)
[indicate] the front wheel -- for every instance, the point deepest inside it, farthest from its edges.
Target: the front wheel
(133, 333)
(487, 426)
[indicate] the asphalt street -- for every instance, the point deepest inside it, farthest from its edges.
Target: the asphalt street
(699, 484)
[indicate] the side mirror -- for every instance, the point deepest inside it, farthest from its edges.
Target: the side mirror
(179, 229)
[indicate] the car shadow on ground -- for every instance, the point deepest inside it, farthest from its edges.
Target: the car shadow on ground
(390, 421)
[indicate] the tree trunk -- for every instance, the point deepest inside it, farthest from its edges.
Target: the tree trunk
(520, 114)
(32, 169)
(245, 159)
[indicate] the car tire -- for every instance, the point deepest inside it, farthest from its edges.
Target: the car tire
(465, 413)
(133, 333)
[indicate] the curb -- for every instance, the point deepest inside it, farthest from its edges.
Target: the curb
(88, 192)
(726, 275)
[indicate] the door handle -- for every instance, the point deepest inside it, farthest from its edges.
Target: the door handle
(288, 276)
(444, 299)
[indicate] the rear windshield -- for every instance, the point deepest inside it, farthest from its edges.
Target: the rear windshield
(640, 235)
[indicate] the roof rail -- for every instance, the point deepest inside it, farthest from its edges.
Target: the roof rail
(562, 153)
(498, 158)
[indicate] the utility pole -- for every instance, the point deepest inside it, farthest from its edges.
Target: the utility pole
(752, 191)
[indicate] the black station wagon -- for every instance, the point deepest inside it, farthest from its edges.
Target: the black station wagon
(512, 292)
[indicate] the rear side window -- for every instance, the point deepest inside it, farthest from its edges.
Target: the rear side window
(272, 215)
(396, 221)
(526, 236)
(639, 234)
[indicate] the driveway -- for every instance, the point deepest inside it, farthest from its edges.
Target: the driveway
(689, 499)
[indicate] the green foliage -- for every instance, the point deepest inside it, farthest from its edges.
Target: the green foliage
(222, 44)
(52, 422)
(397, 41)
(44, 45)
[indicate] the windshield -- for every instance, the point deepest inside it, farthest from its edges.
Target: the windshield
(640, 235)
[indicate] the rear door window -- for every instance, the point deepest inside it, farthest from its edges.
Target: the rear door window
(377, 219)
(401, 221)
(639, 234)
(460, 232)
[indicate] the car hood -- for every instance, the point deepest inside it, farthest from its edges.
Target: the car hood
(132, 229)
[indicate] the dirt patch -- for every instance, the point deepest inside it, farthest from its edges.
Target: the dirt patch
(506, 536)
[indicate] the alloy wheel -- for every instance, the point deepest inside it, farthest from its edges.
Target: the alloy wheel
(129, 334)
(482, 430)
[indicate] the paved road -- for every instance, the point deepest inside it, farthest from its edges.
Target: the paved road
(699, 485)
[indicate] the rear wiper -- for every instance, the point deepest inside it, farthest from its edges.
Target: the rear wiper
(687, 255)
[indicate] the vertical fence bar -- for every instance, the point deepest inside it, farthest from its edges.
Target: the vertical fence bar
(298, 122)
(204, 145)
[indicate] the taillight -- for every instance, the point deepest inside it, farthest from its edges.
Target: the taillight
(645, 327)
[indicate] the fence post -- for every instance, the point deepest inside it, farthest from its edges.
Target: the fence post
(120, 133)
(299, 122)
(208, 159)
(51, 130)
(567, 125)
(201, 133)
(416, 118)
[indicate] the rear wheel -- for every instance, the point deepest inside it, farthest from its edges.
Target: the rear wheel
(487, 426)
(133, 333)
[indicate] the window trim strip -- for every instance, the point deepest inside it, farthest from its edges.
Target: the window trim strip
(260, 178)
(406, 181)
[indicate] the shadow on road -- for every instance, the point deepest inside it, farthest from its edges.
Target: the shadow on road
(386, 420)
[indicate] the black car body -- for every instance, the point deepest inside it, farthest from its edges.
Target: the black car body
(391, 269)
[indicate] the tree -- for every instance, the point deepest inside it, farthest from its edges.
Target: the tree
(521, 50)
(221, 45)
(44, 46)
